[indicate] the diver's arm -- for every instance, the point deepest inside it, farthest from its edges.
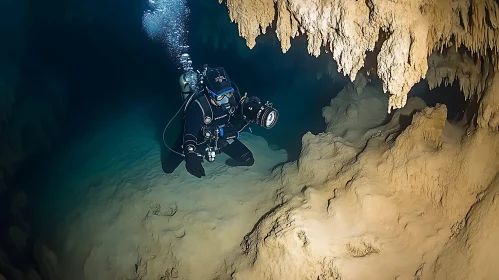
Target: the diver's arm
(237, 96)
(192, 126)
(239, 121)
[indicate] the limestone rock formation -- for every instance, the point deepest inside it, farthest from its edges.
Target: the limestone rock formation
(488, 114)
(475, 242)
(348, 29)
(356, 211)
(452, 67)
(358, 101)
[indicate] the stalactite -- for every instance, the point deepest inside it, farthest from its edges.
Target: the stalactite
(451, 67)
(253, 17)
(350, 28)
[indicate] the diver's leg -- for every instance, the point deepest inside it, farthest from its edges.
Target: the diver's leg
(239, 153)
(170, 160)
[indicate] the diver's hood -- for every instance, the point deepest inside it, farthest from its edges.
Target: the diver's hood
(217, 80)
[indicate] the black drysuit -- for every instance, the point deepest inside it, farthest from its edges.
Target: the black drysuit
(192, 134)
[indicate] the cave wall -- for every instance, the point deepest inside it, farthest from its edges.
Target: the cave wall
(32, 105)
(10, 58)
(32, 100)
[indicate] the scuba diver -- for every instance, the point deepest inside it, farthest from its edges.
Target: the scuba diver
(215, 113)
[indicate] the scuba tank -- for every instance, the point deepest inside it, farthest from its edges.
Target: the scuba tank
(191, 85)
(191, 82)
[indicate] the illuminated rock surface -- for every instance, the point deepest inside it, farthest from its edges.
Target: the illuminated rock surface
(347, 29)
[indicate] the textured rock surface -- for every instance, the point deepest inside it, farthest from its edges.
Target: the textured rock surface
(356, 109)
(389, 209)
(413, 198)
(348, 29)
(488, 114)
(475, 243)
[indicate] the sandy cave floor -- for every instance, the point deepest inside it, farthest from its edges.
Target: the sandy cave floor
(414, 198)
(124, 217)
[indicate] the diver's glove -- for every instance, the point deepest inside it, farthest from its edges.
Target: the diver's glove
(193, 164)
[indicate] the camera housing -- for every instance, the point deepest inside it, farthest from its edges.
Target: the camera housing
(263, 115)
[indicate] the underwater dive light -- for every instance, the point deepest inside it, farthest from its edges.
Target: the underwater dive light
(261, 114)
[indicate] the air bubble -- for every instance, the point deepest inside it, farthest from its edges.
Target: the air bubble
(167, 21)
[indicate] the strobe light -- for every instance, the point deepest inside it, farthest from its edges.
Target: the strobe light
(262, 114)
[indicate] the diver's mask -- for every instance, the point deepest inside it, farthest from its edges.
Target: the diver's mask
(222, 98)
(218, 86)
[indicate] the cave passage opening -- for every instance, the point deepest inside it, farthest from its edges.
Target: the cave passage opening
(451, 96)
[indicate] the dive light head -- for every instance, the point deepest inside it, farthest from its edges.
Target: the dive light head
(262, 114)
